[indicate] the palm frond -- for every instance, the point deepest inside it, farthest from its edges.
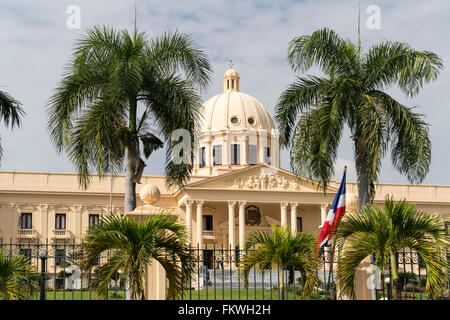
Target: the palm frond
(325, 49)
(384, 232)
(173, 52)
(304, 93)
(397, 63)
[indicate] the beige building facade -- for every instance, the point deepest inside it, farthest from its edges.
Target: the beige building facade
(237, 187)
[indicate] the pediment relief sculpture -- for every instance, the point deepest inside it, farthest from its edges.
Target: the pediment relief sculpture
(265, 182)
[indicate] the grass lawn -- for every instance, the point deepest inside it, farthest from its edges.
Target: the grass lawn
(243, 294)
(416, 295)
(77, 295)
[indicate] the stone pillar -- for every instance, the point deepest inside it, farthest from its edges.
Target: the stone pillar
(231, 225)
(364, 281)
(208, 154)
(15, 216)
(294, 218)
(283, 214)
(78, 213)
(188, 219)
(155, 286)
(43, 209)
(199, 224)
(323, 213)
(244, 151)
(242, 225)
(225, 151)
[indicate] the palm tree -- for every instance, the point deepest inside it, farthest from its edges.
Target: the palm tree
(279, 246)
(384, 232)
(93, 114)
(132, 246)
(351, 93)
(10, 112)
(17, 277)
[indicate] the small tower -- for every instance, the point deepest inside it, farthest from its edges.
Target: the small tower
(231, 81)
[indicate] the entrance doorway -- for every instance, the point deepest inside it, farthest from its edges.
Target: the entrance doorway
(208, 259)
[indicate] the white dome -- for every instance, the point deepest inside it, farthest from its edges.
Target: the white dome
(233, 109)
(236, 131)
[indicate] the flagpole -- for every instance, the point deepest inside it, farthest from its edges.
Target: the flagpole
(333, 247)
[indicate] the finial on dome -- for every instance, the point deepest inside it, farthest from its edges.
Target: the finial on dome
(231, 79)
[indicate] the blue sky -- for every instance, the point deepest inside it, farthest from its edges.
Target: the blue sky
(36, 44)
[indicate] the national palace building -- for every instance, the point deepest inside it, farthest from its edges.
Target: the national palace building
(237, 187)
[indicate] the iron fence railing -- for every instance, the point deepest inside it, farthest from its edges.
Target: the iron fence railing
(59, 271)
(217, 276)
(412, 279)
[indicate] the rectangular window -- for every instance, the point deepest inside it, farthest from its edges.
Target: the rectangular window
(267, 155)
(202, 162)
(217, 155)
(60, 255)
(299, 224)
(26, 221)
(207, 222)
(252, 154)
(208, 259)
(60, 221)
(235, 154)
(94, 219)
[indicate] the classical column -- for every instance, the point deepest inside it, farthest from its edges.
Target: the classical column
(294, 218)
(78, 221)
(199, 223)
(323, 213)
(231, 224)
(189, 219)
(244, 150)
(242, 225)
(283, 214)
(225, 151)
(208, 154)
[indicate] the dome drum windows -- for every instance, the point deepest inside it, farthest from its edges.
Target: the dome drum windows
(202, 162)
(252, 154)
(234, 120)
(251, 121)
(235, 154)
(217, 155)
(267, 155)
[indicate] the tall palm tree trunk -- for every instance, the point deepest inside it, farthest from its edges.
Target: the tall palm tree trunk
(130, 159)
(130, 186)
(396, 281)
(361, 171)
(130, 167)
(282, 284)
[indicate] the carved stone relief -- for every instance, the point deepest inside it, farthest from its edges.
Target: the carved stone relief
(265, 182)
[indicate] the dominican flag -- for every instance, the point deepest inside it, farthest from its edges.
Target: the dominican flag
(335, 214)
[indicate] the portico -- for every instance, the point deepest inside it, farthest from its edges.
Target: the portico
(227, 213)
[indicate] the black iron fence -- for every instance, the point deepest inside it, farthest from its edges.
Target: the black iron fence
(60, 276)
(217, 276)
(412, 279)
